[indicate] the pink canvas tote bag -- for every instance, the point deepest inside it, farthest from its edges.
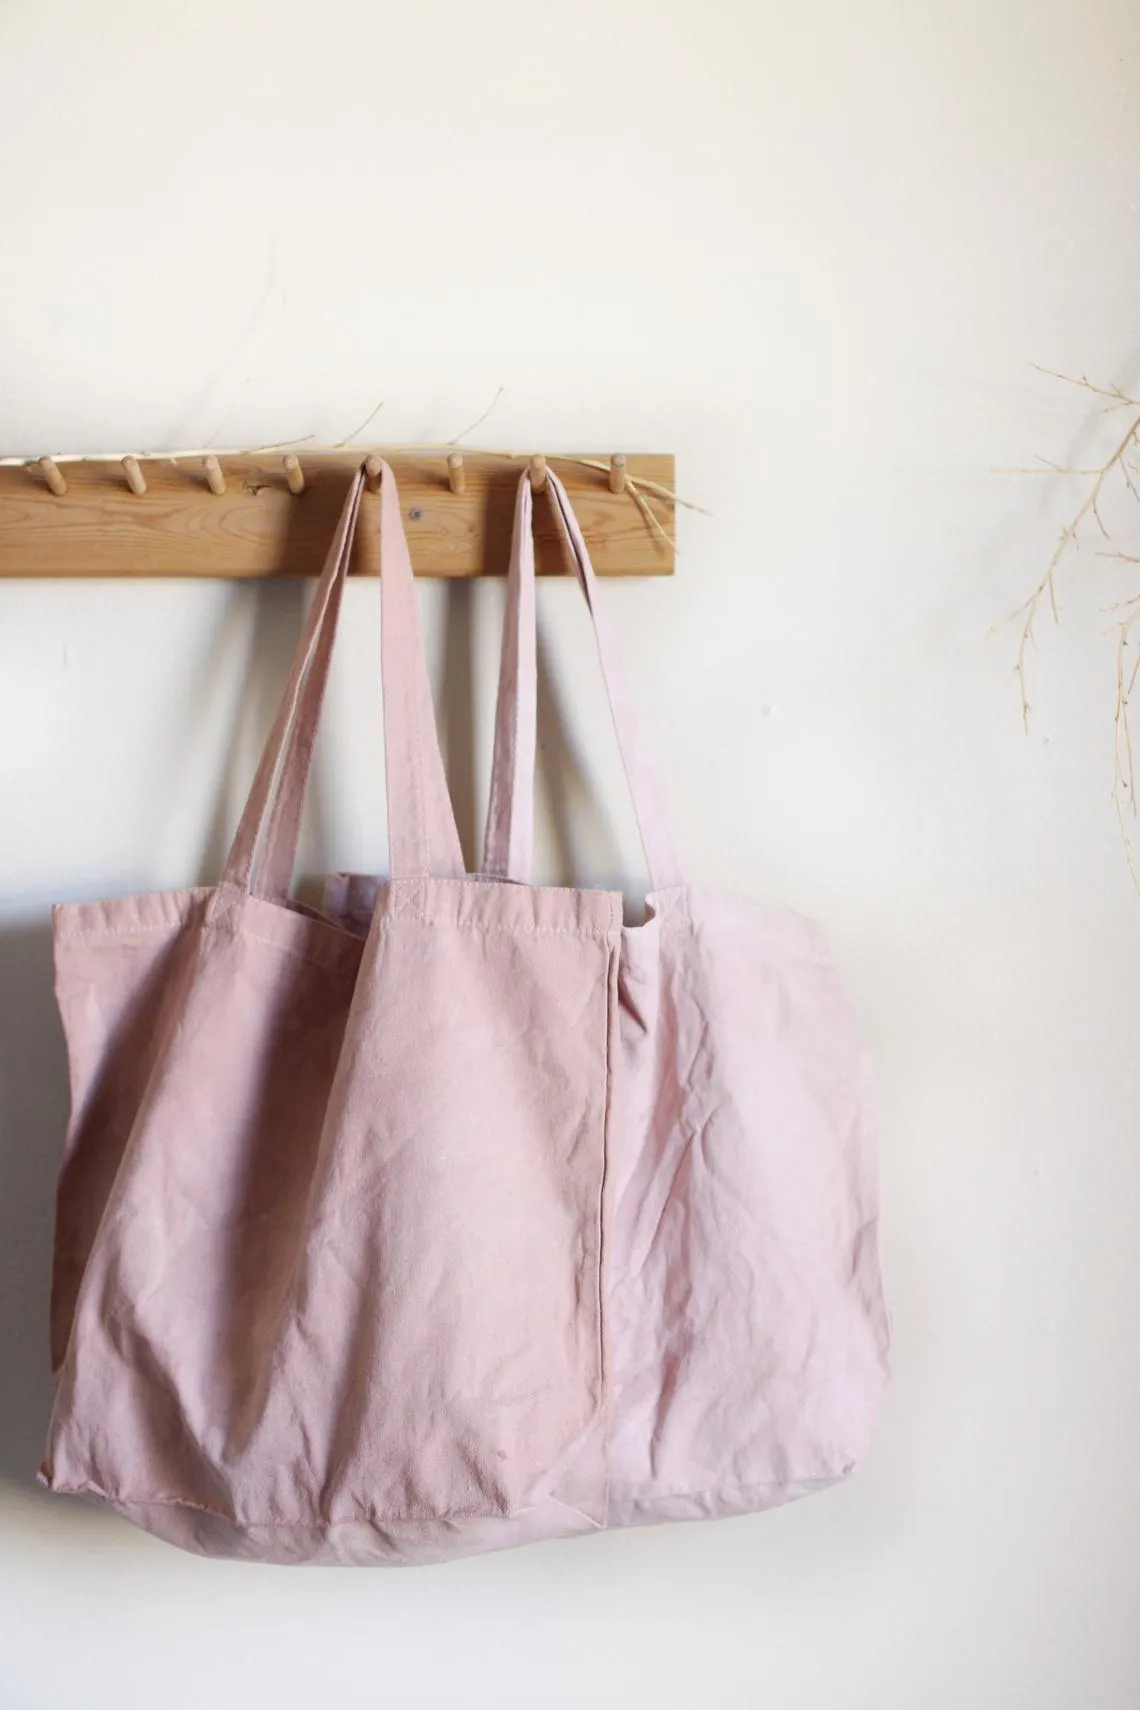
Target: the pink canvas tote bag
(329, 1245)
(746, 1334)
(746, 1329)
(462, 1215)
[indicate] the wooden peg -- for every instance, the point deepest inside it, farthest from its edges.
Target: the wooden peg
(136, 481)
(49, 469)
(617, 474)
(294, 475)
(456, 479)
(537, 474)
(372, 473)
(215, 480)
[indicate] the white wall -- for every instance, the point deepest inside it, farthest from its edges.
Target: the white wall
(812, 250)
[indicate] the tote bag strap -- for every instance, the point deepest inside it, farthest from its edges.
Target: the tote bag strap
(508, 843)
(508, 848)
(422, 834)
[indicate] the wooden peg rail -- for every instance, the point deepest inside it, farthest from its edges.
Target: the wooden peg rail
(273, 514)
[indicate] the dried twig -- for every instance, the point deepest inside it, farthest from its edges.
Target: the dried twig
(644, 507)
(1124, 784)
(1044, 467)
(1113, 393)
(479, 420)
(645, 486)
(343, 444)
(1124, 762)
(1089, 506)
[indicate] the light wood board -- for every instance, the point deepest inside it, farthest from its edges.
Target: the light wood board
(178, 527)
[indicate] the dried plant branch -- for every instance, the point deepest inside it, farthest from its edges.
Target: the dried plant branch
(343, 444)
(646, 510)
(644, 486)
(1125, 790)
(1044, 467)
(1113, 393)
(1069, 536)
(1127, 841)
(1124, 776)
(479, 420)
(1124, 767)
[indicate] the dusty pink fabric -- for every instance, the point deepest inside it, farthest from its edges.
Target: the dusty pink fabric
(461, 1214)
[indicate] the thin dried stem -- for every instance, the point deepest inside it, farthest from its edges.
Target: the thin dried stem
(1127, 841)
(1124, 776)
(479, 420)
(1125, 794)
(646, 486)
(1044, 467)
(1068, 537)
(1113, 393)
(366, 423)
(1124, 758)
(642, 503)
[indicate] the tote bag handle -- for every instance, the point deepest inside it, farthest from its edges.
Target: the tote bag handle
(422, 835)
(508, 848)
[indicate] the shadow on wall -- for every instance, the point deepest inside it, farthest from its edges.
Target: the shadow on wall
(455, 714)
(33, 1115)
